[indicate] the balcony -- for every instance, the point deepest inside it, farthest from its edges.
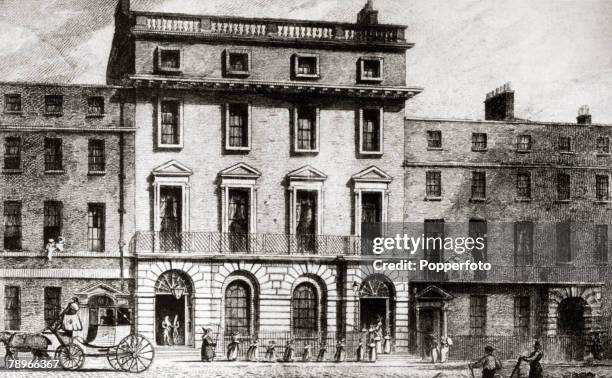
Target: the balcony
(273, 30)
(214, 243)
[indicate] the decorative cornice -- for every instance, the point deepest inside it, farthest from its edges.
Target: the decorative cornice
(259, 86)
(458, 164)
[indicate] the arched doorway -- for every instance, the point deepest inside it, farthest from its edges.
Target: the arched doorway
(173, 309)
(376, 304)
(570, 320)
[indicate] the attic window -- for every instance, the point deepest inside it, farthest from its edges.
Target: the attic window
(169, 60)
(371, 69)
(237, 63)
(306, 66)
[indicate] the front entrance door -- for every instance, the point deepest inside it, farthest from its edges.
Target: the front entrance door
(170, 320)
(430, 329)
(372, 311)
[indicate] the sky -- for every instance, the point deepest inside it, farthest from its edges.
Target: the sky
(556, 53)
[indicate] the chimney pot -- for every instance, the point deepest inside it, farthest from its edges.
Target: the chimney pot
(368, 15)
(584, 115)
(499, 104)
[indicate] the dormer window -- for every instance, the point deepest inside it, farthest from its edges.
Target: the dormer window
(169, 60)
(237, 63)
(306, 66)
(371, 69)
(95, 106)
(54, 105)
(12, 103)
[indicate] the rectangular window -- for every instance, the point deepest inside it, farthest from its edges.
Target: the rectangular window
(12, 103)
(479, 141)
(564, 239)
(238, 127)
(170, 130)
(307, 129)
(479, 185)
(434, 235)
(371, 216)
(371, 131)
(433, 184)
(12, 308)
(12, 153)
(563, 186)
(239, 209)
(52, 221)
(96, 219)
(53, 154)
(523, 142)
(306, 208)
(602, 190)
(96, 155)
(522, 312)
(478, 315)
(565, 144)
(523, 185)
(523, 243)
(237, 62)
(168, 60)
(371, 69)
(12, 225)
(306, 66)
(95, 106)
(434, 139)
(54, 104)
(601, 243)
(603, 145)
(53, 303)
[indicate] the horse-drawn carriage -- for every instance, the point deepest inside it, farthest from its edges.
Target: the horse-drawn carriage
(124, 351)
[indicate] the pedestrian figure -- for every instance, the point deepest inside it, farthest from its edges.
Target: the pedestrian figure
(489, 363)
(306, 354)
(596, 346)
(167, 330)
(289, 352)
(372, 355)
(535, 368)
(271, 352)
(175, 330)
(340, 355)
(322, 351)
(360, 352)
(433, 348)
(70, 318)
(252, 354)
(445, 344)
(207, 353)
(387, 344)
(50, 249)
(378, 340)
(233, 347)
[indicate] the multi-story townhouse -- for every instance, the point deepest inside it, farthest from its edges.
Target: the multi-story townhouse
(262, 147)
(539, 192)
(67, 171)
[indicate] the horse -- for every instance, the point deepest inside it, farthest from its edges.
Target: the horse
(35, 343)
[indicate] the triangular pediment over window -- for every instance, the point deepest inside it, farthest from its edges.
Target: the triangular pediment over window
(240, 171)
(372, 174)
(306, 173)
(433, 293)
(172, 168)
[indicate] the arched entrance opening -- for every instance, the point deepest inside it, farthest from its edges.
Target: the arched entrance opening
(570, 318)
(377, 304)
(174, 309)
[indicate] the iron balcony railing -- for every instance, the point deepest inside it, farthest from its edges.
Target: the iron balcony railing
(256, 244)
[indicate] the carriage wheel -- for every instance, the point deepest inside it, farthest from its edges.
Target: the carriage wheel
(135, 353)
(112, 359)
(70, 356)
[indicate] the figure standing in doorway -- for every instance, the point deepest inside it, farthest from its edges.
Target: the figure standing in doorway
(167, 330)
(372, 355)
(445, 344)
(175, 330)
(387, 344)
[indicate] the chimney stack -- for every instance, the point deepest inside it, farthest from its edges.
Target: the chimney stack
(584, 115)
(368, 15)
(499, 104)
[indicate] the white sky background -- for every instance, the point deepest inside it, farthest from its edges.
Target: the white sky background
(556, 53)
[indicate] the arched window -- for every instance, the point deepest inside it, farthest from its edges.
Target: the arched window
(238, 308)
(305, 309)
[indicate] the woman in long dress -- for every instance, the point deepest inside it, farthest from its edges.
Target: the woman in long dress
(340, 355)
(289, 351)
(306, 354)
(252, 354)
(387, 344)
(233, 347)
(535, 368)
(70, 318)
(378, 341)
(372, 355)
(208, 347)
(271, 352)
(322, 351)
(167, 330)
(359, 352)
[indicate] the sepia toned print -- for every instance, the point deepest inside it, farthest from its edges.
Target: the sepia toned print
(260, 196)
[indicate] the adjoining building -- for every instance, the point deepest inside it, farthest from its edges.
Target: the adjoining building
(540, 193)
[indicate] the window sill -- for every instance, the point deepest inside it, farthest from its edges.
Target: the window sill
(237, 149)
(602, 202)
(175, 71)
(522, 151)
(14, 112)
(170, 146)
(374, 154)
(435, 149)
(238, 73)
(567, 153)
(12, 171)
(562, 201)
(478, 200)
(603, 154)
(523, 199)
(433, 199)
(306, 152)
(479, 150)
(375, 80)
(55, 172)
(54, 114)
(95, 115)
(308, 76)
(96, 173)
